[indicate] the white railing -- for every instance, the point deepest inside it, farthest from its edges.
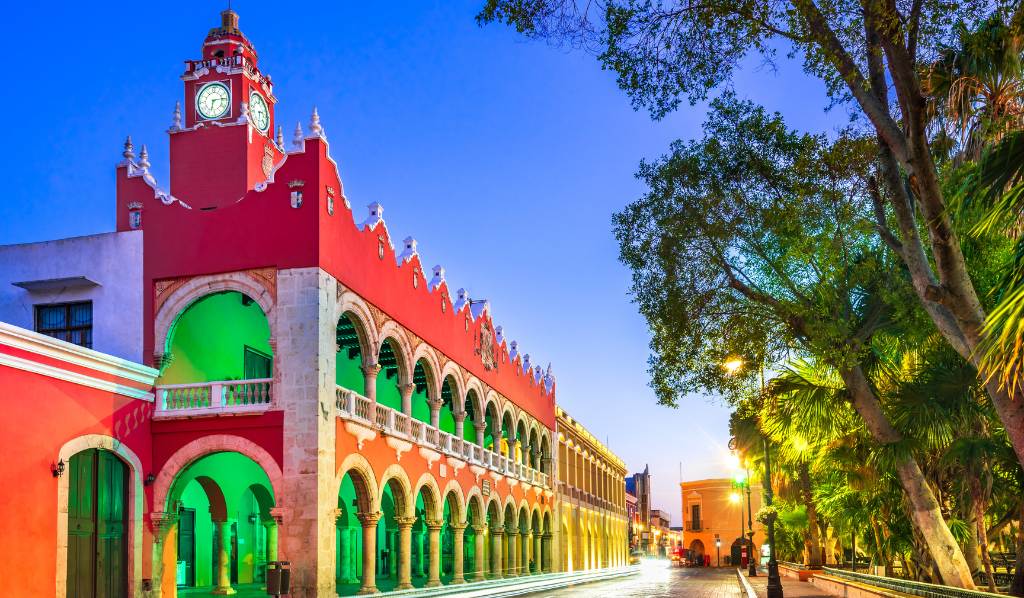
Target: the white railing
(353, 406)
(213, 398)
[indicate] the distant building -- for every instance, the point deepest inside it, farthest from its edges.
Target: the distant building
(716, 511)
(592, 498)
(632, 519)
(662, 536)
(639, 485)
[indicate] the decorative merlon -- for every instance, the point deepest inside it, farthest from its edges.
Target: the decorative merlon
(461, 301)
(499, 335)
(438, 278)
(280, 138)
(527, 366)
(375, 217)
(408, 251)
(298, 141)
(549, 379)
(144, 158)
(513, 350)
(129, 150)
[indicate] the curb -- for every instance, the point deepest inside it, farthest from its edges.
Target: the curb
(745, 586)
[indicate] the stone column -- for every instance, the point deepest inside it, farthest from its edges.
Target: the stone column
(546, 552)
(370, 382)
(458, 548)
(406, 390)
(513, 554)
(163, 524)
(497, 544)
(223, 572)
(460, 424)
(369, 523)
(344, 571)
(480, 433)
(434, 570)
(404, 552)
(478, 563)
(524, 546)
(435, 411)
(512, 443)
(538, 554)
(304, 322)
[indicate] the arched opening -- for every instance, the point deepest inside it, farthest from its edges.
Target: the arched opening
(495, 533)
(545, 455)
(388, 378)
(491, 432)
(225, 532)
(522, 444)
(421, 379)
(446, 416)
(390, 560)
(354, 504)
(425, 509)
(545, 545)
(474, 540)
(525, 542)
(533, 457)
(98, 529)
(511, 554)
(223, 336)
(452, 518)
(348, 372)
(507, 434)
(696, 552)
(473, 421)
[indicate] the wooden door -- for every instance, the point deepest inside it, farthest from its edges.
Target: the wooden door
(187, 544)
(97, 526)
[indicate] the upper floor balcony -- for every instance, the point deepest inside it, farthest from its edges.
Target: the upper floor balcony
(219, 360)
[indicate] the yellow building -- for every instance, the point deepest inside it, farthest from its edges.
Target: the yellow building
(591, 499)
(715, 513)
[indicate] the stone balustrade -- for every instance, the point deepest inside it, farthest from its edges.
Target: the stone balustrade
(353, 406)
(224, 397)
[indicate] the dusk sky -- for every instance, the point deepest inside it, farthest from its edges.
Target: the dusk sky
(505, 158)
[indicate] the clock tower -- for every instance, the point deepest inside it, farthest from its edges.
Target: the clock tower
(222, 141)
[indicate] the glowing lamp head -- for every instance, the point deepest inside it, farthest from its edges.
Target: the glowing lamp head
(734, 498)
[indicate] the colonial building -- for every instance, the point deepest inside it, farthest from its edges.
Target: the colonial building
(639, 485)
(592, 499)
(716, 519)
(271, 378)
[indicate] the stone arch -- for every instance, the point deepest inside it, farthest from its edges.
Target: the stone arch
(395, 473)
(451, 370)
(364, 480)
(494, 506)
(352, 306)
(432, 369)
(198, 287)
(475, 508)
(136, 497)
(433, 501)
(391, 332)
(214, 443)
(454, 489)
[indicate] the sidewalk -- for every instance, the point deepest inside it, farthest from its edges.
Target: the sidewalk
(791, 588)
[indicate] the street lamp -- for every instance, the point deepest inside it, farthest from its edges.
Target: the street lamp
(774, 589)
(718, 549)
(752, 569)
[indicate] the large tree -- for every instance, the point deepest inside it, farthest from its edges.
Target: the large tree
(757, 238)
(870, 53)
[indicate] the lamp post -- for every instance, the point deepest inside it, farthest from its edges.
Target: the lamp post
(774, 582)
(752, 569)
(718, 550)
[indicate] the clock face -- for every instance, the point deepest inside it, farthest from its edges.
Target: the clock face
(213, 100)
(259, 114)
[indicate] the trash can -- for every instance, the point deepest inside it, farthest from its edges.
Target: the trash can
(278, 578)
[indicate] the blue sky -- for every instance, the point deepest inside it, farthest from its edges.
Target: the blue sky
(505, 158)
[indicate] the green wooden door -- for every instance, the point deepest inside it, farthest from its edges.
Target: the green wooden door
(97, 526)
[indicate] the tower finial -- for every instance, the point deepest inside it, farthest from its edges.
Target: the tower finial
(297, 140)
(314, 124)
(176, 119)
(144, 158)
(129, 149)
(280, 137)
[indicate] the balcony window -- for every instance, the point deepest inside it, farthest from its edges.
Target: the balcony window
(224, 336)
(70, 322)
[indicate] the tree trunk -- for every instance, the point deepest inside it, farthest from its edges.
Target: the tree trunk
(812, 539)
(924, 509)
(979, 523)
(1017, 585)
(971, 551)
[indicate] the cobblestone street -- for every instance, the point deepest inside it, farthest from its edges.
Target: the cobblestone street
(656, 580)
